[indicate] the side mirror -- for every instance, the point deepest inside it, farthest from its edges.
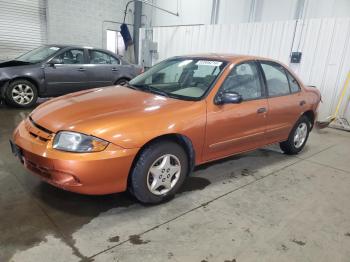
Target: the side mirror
(228, 98)
(55, 60)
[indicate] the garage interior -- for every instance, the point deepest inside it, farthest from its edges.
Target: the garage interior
(257, 206)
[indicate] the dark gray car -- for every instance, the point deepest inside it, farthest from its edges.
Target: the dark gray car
(54, 70)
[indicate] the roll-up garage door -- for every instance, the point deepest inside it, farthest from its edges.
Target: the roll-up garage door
(22, 26)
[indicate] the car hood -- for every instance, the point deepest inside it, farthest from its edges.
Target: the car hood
(110, 113)
(13, 63)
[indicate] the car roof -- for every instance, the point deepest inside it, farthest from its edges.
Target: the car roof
(227, 57)
(76, 46)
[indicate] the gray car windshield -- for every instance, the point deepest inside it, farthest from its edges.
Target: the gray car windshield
(182, 78)
(38, 54)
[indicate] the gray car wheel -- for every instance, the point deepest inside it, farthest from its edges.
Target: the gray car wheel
(121, 81)
(21, 93)
(159, 172)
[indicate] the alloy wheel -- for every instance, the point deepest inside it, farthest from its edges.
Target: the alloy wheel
(22, 94)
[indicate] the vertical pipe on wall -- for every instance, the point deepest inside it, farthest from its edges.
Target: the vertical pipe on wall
(137, 26)
(255, 11)
(215, 12)
(299, 9)
(251, 11)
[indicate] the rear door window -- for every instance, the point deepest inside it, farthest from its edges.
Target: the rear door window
(293, 83)
(98, 57)
(276, 79)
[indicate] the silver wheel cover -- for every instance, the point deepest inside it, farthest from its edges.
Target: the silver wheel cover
(163, 174)
(300, 135)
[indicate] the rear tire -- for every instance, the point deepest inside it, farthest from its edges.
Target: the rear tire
(297, 137)
(159, 172)
(21, 93)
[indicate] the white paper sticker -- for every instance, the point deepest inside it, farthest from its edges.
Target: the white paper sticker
(209, 63)
(54, 48)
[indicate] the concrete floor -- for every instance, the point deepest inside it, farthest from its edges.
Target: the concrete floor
(259, 206)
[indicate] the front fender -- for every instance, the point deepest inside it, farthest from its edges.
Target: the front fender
(32, 73)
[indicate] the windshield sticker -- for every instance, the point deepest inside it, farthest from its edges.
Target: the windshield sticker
(209, 63)
(54, 48)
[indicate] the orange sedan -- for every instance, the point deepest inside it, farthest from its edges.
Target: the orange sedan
(148, 135)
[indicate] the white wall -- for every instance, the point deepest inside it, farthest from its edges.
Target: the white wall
(276, 10)
(235, 11)
(327, 8)
(81, 22)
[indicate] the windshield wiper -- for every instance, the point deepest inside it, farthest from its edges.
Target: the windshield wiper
(127, 84)
(152, 89)
(21, 61)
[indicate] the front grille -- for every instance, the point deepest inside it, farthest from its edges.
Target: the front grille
(37, 131)
(39, 126)
(38, 137)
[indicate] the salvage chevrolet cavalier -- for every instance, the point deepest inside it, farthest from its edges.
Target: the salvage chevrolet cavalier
(148, 135)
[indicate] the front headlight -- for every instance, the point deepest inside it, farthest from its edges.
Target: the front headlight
(76, 142)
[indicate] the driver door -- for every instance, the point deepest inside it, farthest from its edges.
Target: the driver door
(69, 74)
(235, 128)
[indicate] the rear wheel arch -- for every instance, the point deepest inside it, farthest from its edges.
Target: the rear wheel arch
(311, 116)
(121, 79)
(298, 133)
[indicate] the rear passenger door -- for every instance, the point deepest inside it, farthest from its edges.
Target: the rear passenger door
(103, 69)
(284, 100)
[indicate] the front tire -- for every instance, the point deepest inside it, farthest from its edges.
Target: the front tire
(159, 172)
(297, 137)
(21, 93)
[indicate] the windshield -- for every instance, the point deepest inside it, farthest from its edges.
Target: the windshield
(183, 78)
(38, 54)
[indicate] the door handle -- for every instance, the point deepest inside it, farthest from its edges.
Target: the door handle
(114, 69)
(81, 69)
(302, 102)
(261, 110)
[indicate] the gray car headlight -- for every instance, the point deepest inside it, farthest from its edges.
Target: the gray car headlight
(77, 142)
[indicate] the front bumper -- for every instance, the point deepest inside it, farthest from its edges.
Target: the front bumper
(86, 173)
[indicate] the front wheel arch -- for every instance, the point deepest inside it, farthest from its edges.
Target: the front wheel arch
(180, 139)
(31, 82)
(8, 82)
